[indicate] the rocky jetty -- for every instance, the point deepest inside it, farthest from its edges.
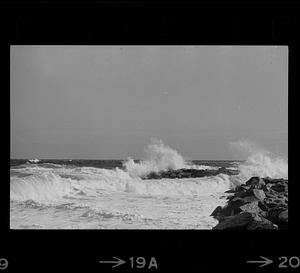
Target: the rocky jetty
(260, 203)
(189, 173)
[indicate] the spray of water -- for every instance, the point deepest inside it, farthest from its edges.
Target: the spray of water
(159, 157)
(259, 162)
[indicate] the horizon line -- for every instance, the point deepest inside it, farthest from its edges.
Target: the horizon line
(119, 159)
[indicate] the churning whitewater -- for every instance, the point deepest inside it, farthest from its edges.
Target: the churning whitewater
(114, 194)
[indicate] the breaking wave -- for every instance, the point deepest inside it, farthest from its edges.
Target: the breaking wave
(59, 185)
(160, 157)
(45, 187)
(259, 162)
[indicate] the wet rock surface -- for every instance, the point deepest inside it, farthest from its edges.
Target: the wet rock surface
(189, 173)
(260, 203)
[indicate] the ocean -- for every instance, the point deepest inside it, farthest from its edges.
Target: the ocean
(114, 194)
(100, 194)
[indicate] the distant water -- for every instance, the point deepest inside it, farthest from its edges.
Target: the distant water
(101, 194)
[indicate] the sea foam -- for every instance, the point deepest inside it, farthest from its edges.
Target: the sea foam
(259, 162)
(160, 157)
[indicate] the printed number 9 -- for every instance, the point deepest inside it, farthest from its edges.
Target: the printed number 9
(3, 263)
(141, 262)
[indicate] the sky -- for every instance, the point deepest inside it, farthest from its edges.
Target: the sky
(108, 102)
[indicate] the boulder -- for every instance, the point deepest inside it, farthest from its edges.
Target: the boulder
(239, 221)
(188, 173)
(257, 204)
(273, 182)
(243, 193)
(259, 194)
(273, 214)
(153, 175)
(249, 199)
(283, 216)
(231, 208)
(268, 187)
(245, 187)
(276, 201)
(216, 211)
(257, 225)
(231, 191)
(271, 194)
(280, 187)
(262, 206)
(271, 202)
(222, 169)
(283, 219)
(251, 207)
(255, 182)
(249, 220)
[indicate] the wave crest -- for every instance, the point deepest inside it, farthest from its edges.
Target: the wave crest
(260, 162)
(43, 187)
(51, 187)
(159, 157)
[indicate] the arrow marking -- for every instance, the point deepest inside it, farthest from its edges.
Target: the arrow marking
(117, 263)
(263, 263)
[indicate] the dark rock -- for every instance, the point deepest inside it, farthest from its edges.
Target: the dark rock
(264, 188)
(153, 175)
(268, 187)
(216, 212)
(242, 188)
(273, 213)
(257, 225)
(272, 202)
(270, 194)
(283, 216)
(255, 182)
(238, 204)
(222, 169)
(275, 201)
(173, 175)
(269, 180)
(262, 206)
(280, 187)
(242, 193)
(245, 220)
(249, 199)
(188, 173)
(266, 200)
(236, 198)
(231, 191)
(283, 219)
(231, 208)
(240, 221)
(245, 188)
